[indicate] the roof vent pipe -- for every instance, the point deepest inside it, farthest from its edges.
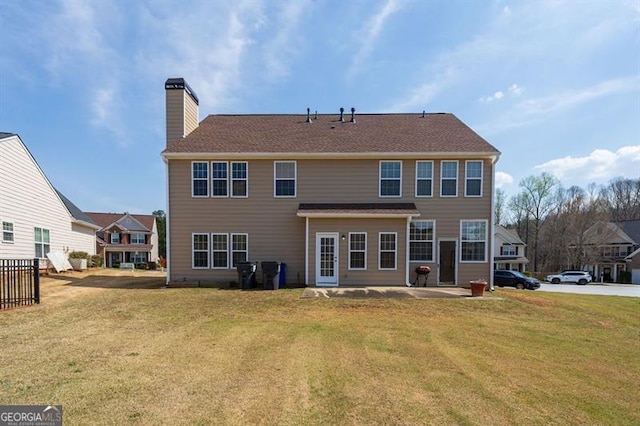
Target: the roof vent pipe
(341, 115)
(316, 115)
(309, 115)
(423, 111)
(353, 115)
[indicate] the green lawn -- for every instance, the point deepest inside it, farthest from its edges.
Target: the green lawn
(118, 352)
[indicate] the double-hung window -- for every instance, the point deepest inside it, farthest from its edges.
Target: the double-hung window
(239, 248)
(473, 179)
(421, 241)
(357, 250)
(42, 242)
(115, 238)
(449, 179)
(284, 173)
(424, 178)
(390, 178)
(7, 232)
(199, 179)
(219, 179)
(137, 238)
(473, 236)
(509, 250)
(387, 252)
(239, 179)
(200, 251)
(220, 251)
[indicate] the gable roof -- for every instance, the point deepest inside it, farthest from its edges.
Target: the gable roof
(509, 236)
(372, 134)
(75, 212)
(631, 228)
(105, 220)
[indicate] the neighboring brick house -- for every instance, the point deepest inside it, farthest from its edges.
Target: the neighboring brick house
(343, 199)
(509, 250)
(124, 237)
(610, 248)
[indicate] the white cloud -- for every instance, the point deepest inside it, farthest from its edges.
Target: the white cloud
(516, 90)
(503, 179)
(369, 34)
(600, 166)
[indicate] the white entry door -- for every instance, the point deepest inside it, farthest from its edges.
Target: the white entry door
(326, 259)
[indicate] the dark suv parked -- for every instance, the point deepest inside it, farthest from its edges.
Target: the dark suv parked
(514, 279)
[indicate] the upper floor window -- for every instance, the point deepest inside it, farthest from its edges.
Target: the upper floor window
(509, 250)
(424, 178)
(219, 176)
(115, 238)
(473, 181)
(200, 251)
(199, 179)
(388, 253)
(357, 250)
(137, 238)
(42, 242)
(449, 179)
(421, 241)
(473, 236)
(284, 178)
(7, 232)
(390, 178)
(239, 179)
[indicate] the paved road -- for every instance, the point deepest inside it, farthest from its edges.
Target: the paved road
(604, 290)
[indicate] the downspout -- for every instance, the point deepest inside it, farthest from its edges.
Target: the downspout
(306, 251)
(407, 279)
(167, 229)
(492, 225)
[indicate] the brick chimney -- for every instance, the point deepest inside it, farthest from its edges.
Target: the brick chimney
(181, 108)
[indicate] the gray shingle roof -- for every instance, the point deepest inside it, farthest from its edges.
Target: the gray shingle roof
(76, 213)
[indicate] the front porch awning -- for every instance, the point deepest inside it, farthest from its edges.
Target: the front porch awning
(358, 210)
(511, 259)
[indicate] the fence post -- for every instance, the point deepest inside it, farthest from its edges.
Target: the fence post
(36, 280)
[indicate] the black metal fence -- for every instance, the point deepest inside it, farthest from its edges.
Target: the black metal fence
(19, 282)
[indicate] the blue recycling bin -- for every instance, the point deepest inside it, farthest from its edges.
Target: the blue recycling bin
(282, 280)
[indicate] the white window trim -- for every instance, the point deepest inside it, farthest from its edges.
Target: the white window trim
(144, 238)
(231, 179)
(442, 178)
(395, 234)
(432, 170)
(207, 179)
(193, 251)
(380, 179)
(358, 251)
(41, 243)
(212, 251)
(232, 251)
(111, 238)
(211, 179)
(12, 232)
(486, 241)
(466, 178)
(433, 241)
(515, 249)
(295, 179)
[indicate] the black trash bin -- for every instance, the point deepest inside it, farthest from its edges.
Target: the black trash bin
(246, 274)
(269, 272)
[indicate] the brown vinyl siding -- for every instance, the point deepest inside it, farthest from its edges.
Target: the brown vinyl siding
(276, 233)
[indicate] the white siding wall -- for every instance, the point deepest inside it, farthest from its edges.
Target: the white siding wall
(27, 200)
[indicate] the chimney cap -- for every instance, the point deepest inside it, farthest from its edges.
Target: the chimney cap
(180, 84)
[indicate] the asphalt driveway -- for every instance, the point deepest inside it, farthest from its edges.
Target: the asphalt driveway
(627, 290)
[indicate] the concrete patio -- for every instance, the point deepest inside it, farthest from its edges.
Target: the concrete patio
(393, 292)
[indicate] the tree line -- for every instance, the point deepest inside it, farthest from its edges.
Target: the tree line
(552, 219)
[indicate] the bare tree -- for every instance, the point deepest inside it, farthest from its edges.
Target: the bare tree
(539, 192)
(622, 198)
(499, 207)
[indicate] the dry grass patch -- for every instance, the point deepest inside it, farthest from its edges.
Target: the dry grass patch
(120, 349)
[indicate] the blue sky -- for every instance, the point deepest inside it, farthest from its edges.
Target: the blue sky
(555, 86)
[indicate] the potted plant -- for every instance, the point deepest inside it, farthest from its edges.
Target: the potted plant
(478, 287)
(78, 260)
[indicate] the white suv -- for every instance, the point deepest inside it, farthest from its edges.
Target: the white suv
(579, 277)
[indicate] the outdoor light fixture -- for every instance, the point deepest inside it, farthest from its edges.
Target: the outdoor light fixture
(343, 237)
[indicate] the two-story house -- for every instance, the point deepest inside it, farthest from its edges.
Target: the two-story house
(609, 247)
(126, 238)
(343, 199)
(509, 250)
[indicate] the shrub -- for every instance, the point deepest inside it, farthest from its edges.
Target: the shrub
(96, 261)
(624, 277)
(140, 265)
(79, 255)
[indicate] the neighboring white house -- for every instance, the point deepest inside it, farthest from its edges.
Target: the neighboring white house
(34, 217)
(508, 250)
